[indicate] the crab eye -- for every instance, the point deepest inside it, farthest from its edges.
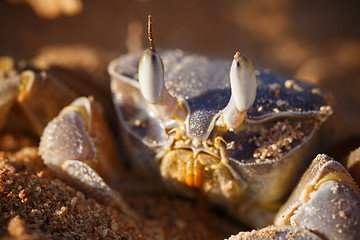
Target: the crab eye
(243, 91)
(243, 82)
(151, 78)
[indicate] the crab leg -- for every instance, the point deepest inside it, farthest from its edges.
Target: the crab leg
(9, 88)
(151, 79)
(42, 97)
(41, 94)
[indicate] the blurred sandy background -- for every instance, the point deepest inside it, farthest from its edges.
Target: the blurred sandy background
(314, 40)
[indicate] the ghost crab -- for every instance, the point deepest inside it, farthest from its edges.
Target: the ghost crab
(188, 122)
(240, 142)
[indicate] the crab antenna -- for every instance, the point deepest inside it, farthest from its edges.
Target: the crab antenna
(243, 91)
(151, 78)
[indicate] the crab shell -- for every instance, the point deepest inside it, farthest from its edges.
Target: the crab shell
(248, 185)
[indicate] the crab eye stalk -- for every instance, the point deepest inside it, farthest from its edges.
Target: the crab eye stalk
(243, 91)
(151, 78)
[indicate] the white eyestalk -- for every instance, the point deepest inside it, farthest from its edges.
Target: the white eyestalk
(151, 79)
(243, 91)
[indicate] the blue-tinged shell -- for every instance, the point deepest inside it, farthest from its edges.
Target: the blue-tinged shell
(204, 85)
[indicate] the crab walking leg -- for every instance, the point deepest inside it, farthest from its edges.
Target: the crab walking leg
(243, 91)
(9, 88)
(41, 94)
(41, 97)
(8, 91)
(151, 79)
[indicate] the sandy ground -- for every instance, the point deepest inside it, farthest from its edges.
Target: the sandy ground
(311, 41)
(36, 205)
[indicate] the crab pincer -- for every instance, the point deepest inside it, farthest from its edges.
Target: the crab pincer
(324, 205)
(78, 146)
(326, 201)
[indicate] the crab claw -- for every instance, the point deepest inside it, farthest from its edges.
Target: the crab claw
(326, 201)
(151, 79)
(243, 91)
(324, 205)
(77, 145)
